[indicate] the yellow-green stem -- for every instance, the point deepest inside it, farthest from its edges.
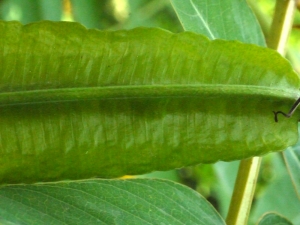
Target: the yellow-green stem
(281, 25)
(248, 171)
(243, 191)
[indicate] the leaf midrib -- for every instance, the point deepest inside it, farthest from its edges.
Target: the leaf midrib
(145, 91)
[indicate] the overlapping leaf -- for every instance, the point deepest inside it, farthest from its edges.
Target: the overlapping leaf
(79, 103)
(292, 159)
(105, 202)
(274, 219)
(219, 19)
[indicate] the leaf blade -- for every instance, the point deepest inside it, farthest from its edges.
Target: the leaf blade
(80, 114)
(274, 219)
(292, 160)
(147, 202)
(229, 20)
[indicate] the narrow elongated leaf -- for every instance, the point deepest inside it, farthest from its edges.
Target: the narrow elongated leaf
(106, 202)
(274, 219)
(78, 103)
(292, 159)
(223, 19)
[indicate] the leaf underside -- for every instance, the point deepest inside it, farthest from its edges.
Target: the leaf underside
(78, 103)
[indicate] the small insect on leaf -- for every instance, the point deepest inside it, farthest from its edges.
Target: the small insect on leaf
(290, 113)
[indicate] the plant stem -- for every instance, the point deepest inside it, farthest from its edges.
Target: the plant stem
(281, 25)
(243, 191)
(248, 170)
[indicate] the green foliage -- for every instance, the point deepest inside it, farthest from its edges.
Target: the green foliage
(88, 82)
(71, 202)
(277, 194)
(274, 219)
(292, 158)
(203, 18)
(171, 203)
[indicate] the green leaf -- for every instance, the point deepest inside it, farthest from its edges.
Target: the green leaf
(137, 201)
(25, 11)
(274, 219)
(152, 13)
(278, 195)
(93, 13)
(28, 11)
(292, 159)
(225, 173)
(207, 17)
(79, 103)
(51, 10)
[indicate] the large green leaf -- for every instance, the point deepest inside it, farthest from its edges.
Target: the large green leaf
(223, 19)
(105, 202)
(79, 103)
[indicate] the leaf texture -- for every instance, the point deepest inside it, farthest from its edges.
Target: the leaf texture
(78, 103)
(220, 19)
(137, 201)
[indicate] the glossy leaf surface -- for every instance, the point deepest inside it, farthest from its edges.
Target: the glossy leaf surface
(135, 201)
(79, 103)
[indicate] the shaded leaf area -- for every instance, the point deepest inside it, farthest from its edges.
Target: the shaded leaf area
(226, 173)
(78, 103)
(138, 201)
(27, 11)
(292, 159)
(278, 195)
(274, 219)
(93, 13)
(220, 19)
(154, 13)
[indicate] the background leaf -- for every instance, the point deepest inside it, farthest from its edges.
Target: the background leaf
(219, 19)
(292, 159)
(274, 219)
(93, 13)
(278, 194)
(136, 201)
(27, 11)
(151, 13)
(81, 109)
(225, 173)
